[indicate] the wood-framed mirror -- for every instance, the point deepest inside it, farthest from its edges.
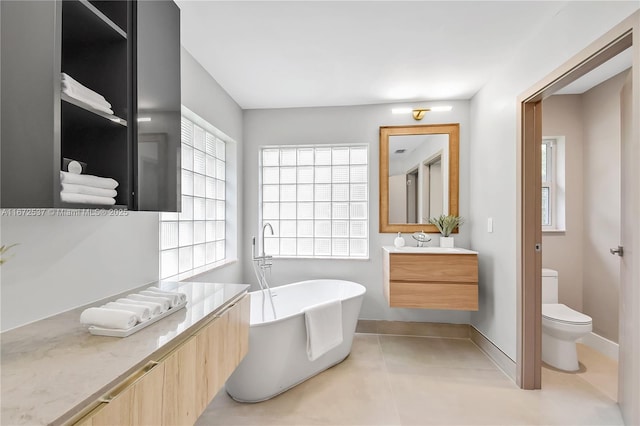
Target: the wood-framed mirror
(419, 168)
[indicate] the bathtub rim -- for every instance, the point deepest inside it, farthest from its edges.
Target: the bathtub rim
(361, 292)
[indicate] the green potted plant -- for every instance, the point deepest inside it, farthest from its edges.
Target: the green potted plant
(446, 224)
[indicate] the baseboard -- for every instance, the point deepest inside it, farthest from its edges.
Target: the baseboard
(406, 328)
(501, 359)
(598, 343)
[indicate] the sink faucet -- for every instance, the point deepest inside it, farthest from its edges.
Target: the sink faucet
(421, 238)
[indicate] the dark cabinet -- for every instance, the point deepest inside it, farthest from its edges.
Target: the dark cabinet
(111, 48)
(158, 106)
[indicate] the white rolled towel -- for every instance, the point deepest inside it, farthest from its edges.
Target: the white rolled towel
(108, 318)
(175, 300)
(181, 296)
(166, 303)
(143, 313)
(88, 190)
(88, 180)
(155, 309)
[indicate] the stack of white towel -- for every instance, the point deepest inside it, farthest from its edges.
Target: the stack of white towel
(87, 189)
(126, 312)
(85, 95)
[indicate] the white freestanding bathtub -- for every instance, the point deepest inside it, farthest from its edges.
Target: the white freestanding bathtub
(277, 358)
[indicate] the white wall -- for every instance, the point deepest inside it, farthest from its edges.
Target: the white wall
(63, 262)
(356, 124)
(493, 154)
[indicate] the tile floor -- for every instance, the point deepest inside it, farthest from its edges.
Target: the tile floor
(407, 380)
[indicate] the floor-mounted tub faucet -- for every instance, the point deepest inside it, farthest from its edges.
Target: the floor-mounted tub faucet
(264, 227)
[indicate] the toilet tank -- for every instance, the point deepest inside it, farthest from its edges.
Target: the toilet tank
(549, 286)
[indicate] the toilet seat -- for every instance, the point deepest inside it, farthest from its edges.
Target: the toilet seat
(557, 312)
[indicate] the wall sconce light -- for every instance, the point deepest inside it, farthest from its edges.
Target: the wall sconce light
(418, 113)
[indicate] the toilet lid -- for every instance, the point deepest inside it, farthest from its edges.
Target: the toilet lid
(563, 313)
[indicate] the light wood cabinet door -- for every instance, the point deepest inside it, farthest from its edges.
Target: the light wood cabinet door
(179, 405)
(220, 347)
(136, 405)
(147, 398)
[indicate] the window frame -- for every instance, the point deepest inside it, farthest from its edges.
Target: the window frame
(551, 182)
(367, 220)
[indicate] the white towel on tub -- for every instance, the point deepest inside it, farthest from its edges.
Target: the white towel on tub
(324, 327)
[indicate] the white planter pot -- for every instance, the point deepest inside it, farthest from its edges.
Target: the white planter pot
(446, 242)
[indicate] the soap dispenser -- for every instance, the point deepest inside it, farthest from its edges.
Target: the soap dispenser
(399, 241)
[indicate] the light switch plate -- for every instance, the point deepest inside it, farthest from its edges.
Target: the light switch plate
(490, 224)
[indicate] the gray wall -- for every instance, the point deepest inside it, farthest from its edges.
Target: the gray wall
(63, 262)
(562, 251)
(589, 276)
(356, 124)
(601, 285)
(493, 185)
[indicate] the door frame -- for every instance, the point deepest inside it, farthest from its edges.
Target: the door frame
(529, 227)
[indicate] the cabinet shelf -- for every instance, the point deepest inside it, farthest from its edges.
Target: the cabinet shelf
(90, 20)
(90, 109)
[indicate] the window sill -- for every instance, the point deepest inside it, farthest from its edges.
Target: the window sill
(201, 270)
(319, 258)
(554, 231)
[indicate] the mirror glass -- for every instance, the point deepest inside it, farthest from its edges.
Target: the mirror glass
(418, 176)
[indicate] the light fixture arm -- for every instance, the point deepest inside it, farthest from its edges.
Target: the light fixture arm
(418, 113)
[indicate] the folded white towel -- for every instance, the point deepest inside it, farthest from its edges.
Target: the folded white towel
(324, 328)
(88, 190)
(92, 104)
(73, 85)
(70, 197)
(166, 303)
(175, 300)
(155, 309)
(143, 313)
(108, 318)
(88, 180)
(181, 296)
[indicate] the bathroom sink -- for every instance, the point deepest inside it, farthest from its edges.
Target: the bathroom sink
(431, 250)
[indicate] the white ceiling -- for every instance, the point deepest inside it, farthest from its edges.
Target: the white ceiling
(327, 53)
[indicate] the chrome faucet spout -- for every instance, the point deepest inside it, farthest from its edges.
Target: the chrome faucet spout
(264, 227)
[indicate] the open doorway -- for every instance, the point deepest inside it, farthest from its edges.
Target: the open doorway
(530, 261)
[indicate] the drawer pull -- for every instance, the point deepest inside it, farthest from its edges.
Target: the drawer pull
(129, 381)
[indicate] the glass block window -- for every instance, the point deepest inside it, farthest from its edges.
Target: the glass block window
(316, 199)
(195, 237)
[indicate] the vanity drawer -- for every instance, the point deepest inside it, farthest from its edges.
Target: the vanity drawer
(433, 295)
(460, 268)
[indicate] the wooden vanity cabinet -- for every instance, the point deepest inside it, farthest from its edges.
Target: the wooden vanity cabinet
(176, 389)
(431, 280)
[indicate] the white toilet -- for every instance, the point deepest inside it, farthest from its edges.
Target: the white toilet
(561, 326)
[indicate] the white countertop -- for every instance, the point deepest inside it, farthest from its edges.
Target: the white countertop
(52, 368)
(427, 250)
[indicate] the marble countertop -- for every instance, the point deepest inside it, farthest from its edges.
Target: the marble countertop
(54, 367)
